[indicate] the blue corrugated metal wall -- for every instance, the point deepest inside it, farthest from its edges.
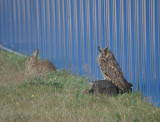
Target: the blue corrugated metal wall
(68, 32)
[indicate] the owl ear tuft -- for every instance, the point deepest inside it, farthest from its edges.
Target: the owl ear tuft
(100, 50)
(106, 49)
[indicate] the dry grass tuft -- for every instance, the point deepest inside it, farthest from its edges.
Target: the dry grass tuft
(11, 68)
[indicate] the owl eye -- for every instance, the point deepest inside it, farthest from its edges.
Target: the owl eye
(107, 55)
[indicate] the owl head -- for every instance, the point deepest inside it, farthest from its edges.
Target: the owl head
(105, 53)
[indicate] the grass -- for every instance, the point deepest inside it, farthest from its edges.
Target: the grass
(59, 97)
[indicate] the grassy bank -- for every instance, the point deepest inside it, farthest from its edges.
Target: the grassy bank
(59, 97)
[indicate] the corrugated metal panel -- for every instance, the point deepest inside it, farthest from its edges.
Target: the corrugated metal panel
(68, 32)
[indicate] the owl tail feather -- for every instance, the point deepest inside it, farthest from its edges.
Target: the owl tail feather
(130, 86)
(129, 89)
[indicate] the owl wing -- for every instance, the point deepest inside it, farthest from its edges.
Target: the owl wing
(112, 70)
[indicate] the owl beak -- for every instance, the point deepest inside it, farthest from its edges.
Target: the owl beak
(100, 50)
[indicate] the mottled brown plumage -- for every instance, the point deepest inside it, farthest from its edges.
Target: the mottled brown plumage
(111, 69)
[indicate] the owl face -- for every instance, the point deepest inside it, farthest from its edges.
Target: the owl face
(105, 53)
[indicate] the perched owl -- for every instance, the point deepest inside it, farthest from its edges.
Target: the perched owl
(111, 70)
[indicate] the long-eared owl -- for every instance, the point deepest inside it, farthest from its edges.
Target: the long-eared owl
(111, 69)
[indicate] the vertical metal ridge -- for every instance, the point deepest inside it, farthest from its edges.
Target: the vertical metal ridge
(48, 29)
(2, 23)
(63, 37)
(107, 38)
(114, 27)
(6, 25)
(121, 34)
(158, 4)
(143, 46)
(129, 38)
(28, 27)
(88, 37)
(19, 25)
(136, 42)
(11, 34)
(37, 22)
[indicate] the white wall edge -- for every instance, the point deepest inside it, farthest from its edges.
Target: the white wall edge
(9, 50)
